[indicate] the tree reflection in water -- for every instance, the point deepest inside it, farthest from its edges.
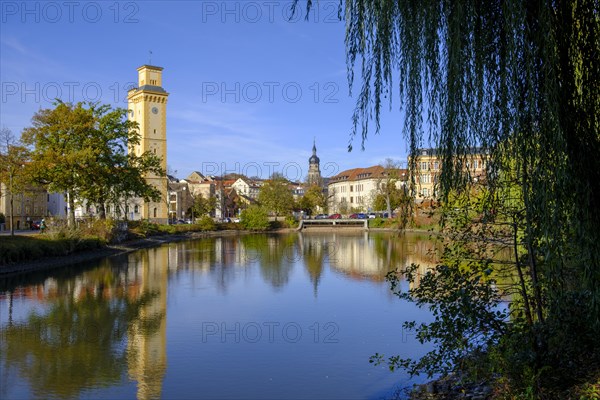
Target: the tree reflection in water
(97, 326)
(78, 342)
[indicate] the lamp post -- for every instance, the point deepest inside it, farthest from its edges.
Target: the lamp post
(11, 200)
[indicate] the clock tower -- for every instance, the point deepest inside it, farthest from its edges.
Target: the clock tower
(147, 105)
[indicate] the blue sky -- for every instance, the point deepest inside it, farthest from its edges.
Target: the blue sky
(249, 89)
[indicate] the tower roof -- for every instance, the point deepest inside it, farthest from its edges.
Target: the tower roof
(314, 159)
(148, 66)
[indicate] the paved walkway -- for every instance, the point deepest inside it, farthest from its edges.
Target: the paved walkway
(19, 232)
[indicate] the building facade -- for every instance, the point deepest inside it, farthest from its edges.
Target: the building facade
(354, 190)
(428, 168)
(351, 190)
(147, 105)
(246, 187)
(28, 206)
(180, 200)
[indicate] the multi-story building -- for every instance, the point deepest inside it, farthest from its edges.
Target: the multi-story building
(29, 205)
(429, 166)
(354, 190)
(147, 105)
(246, 187)
(180, 199)
(200, 185)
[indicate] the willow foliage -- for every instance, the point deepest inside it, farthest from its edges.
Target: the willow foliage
(471, 73)
(479, 73)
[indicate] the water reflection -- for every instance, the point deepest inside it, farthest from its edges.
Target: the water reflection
(82, 330)
(147, 334)
(74, 340)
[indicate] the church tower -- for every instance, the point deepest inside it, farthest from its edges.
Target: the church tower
(314, 170)
(147, 105)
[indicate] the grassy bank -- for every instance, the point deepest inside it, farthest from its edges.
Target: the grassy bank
(60, 241)
(16, 249)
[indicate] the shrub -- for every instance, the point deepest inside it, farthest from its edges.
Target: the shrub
(206, 223)
(254, 218)
(143, 228)
(103, 229)
(291, 222)
(376, 223)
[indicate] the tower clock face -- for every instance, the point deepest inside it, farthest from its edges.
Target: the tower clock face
(154, 110)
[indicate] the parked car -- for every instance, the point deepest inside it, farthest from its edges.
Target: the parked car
(358, 216)
(236, 220)
(227, 219)
(321, 216)
(35, 225)
(372, 215)
(335, 216)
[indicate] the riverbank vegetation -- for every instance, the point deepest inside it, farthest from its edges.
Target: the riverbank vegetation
(22, 248)
(62, 240)
(515, 80)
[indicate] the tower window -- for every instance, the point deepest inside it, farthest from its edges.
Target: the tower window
(154, 212)
(155, 131)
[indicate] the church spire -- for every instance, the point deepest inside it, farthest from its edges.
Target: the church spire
(314, 171)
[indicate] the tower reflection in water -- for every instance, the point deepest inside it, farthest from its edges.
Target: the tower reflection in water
(77, 331)
(65, 334)
(147, 334)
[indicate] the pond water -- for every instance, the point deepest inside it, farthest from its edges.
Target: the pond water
(234, 317)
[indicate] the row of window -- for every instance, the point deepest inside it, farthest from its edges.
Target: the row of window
(136, 209)
(359, 199)
(425, 165)
(353, 188)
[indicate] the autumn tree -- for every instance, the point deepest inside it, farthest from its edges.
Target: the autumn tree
(313, 198)
(14, 158)
(276, 196)
(202, 205)
(82, 150)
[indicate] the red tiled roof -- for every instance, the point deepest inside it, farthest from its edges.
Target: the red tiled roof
(356, 174)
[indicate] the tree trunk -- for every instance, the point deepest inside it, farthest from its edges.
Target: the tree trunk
(388, 205)
(12, 212)
(71, 216)
(12, 216)
(101, 211)
(528, 314)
